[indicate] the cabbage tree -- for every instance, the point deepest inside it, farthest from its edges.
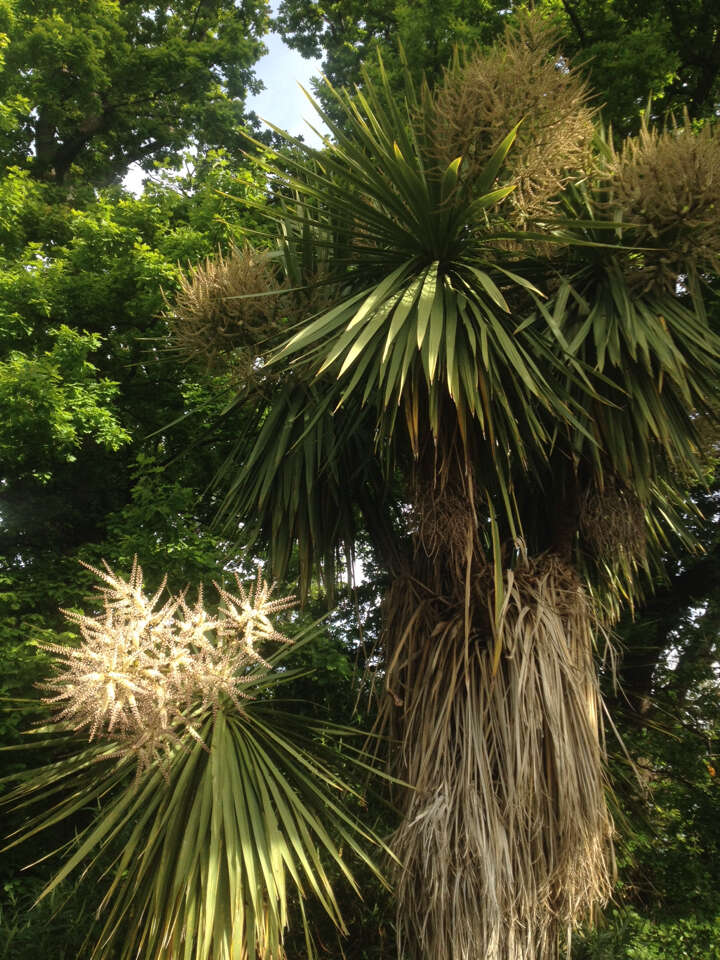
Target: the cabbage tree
(494, 364)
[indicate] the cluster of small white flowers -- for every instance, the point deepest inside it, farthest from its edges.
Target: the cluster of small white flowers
(142, 664)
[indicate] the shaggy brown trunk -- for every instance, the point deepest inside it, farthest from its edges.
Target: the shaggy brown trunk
(506, 839)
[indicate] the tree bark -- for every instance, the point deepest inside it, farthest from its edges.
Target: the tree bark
(54, 159)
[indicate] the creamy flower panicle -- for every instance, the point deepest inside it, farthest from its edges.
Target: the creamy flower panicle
(142, 663)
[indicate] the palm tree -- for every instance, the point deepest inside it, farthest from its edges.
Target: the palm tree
(496, 362)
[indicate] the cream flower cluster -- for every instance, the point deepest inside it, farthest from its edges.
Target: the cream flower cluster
(142, 664)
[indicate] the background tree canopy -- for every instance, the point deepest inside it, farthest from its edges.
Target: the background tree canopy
(96, 86)
(110, 437)
(630, 49)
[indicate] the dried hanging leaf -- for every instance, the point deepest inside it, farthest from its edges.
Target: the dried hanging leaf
(506, 839)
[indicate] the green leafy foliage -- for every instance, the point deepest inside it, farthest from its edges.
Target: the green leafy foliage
(95, 86)
(347, 36)
(52, 403)
(634, 49)
(95, 271)
(628, 49)
(55, 928)
(666, 898)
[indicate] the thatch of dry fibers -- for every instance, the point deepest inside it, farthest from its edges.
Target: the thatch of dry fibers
(506, 841)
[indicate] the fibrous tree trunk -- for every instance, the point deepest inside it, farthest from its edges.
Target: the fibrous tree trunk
(506, 837)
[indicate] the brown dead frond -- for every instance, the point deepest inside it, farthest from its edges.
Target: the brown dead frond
(612, 522)
(667, 181)
(226, 311)
(483, 95)
(506, 839)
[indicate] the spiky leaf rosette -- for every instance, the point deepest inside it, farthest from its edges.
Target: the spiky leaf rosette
(211, 854)
(652, 367)
(428, 308)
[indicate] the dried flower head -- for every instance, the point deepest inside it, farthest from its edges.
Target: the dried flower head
(612, 522)
(142, 664)
(522, 78)
(226, 310)
(667, 182)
